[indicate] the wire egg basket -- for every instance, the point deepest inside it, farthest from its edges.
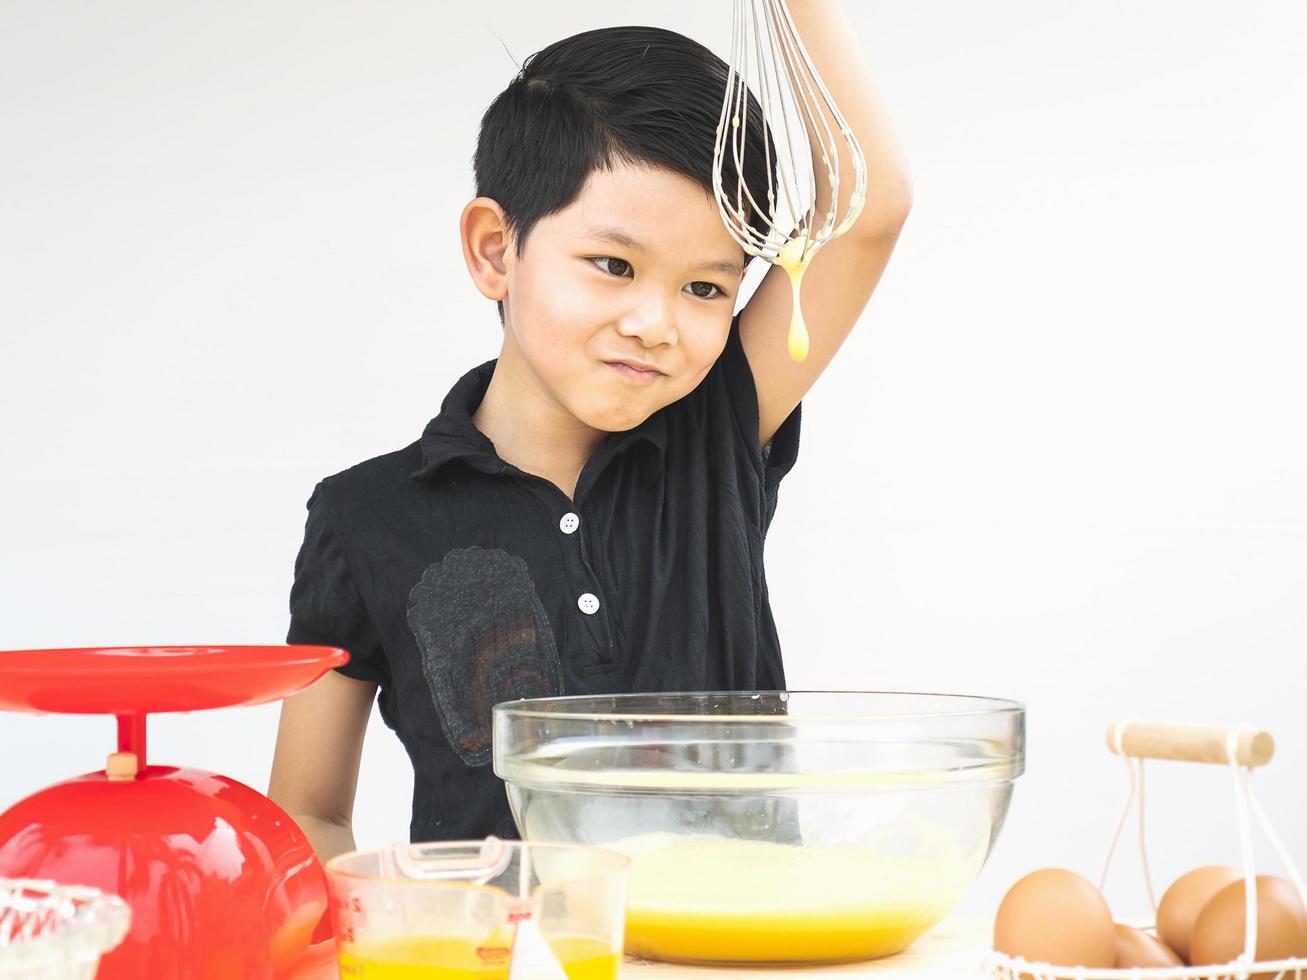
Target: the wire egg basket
(1240, 749)
(57, 932)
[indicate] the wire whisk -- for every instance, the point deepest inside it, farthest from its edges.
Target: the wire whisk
(794, 131)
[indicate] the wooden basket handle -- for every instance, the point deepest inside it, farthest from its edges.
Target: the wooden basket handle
(1190, 743)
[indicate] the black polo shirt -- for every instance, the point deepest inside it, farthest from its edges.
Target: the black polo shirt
(456, 581)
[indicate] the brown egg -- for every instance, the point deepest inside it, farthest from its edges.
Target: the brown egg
(1179, 908)
(1056, 916)
(1281, 925)
(1134, 947)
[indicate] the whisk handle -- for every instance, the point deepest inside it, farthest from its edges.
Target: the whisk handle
(1191, 743)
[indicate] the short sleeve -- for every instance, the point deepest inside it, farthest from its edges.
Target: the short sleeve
(778, 457)
(326, 608)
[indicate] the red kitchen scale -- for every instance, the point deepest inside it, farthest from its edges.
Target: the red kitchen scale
(220, 881)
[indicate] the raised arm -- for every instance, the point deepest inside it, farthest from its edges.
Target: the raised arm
(843, 274)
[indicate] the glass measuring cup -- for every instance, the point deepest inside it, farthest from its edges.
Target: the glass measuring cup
(481, 909)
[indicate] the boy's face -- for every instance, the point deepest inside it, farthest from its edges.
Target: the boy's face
(620, 303)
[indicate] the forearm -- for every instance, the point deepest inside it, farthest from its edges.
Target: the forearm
(831, 42)
(327, 837)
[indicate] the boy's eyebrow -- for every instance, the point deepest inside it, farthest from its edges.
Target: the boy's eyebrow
(618, 237)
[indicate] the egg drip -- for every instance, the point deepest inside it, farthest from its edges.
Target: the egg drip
(793, 260)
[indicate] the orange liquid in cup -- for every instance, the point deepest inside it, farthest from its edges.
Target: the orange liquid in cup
(465, 958)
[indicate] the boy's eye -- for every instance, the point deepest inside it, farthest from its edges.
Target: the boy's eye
(618, 267)
(704, 290)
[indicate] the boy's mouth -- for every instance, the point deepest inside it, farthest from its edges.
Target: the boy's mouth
(635, 370)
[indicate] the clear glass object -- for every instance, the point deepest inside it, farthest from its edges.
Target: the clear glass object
(770, 826)
(480, 909)
(57, 932)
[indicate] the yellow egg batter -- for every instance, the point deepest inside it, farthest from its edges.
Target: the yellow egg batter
(704, 899)
(466, 958)
(793, 261)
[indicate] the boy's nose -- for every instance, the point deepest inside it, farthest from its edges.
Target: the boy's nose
(651, 322)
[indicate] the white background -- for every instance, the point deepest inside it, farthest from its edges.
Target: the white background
(1061, 460)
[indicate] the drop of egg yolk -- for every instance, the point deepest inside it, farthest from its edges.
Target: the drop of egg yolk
(791, 258)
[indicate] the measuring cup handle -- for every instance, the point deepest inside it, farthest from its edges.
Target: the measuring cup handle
(1191, 743)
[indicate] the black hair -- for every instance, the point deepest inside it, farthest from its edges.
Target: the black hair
(636, 95)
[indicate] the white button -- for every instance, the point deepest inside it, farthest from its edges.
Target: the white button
(589, 604)
(569, 523)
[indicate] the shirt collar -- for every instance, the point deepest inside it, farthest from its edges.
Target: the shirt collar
(451, 435)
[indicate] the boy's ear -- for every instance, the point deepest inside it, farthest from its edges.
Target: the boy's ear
(487, 246)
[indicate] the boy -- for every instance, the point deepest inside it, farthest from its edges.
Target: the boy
(587, 513)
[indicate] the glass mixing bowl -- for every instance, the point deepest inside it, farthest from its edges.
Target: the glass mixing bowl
(812, 826)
